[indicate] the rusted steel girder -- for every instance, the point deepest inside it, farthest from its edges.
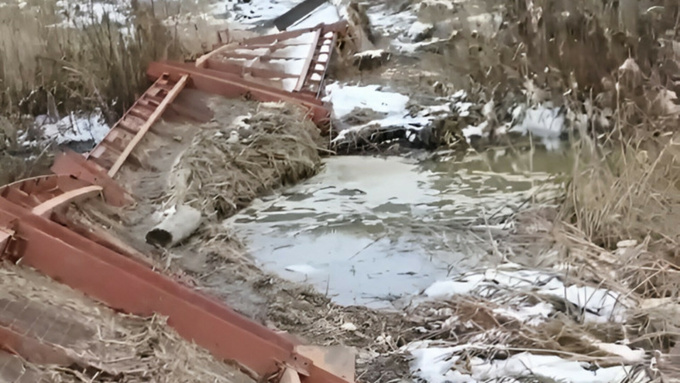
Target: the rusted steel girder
(73, 165)
(45, 193)
(229, 85)
(124, 136)
(127, 285)
(265, 55)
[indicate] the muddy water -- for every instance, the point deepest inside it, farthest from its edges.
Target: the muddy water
(371, 230)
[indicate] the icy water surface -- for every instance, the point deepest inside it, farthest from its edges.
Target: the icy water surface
(369, 230)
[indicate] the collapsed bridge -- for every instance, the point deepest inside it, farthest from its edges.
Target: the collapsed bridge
(34, 231)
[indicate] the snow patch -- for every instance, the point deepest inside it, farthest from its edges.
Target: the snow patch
(83, 13)
(74, 128)
(346, 98)
(435, 365)
(544, 121)
(374, 53)
(419, 30)
(598, 305)
(326, 13)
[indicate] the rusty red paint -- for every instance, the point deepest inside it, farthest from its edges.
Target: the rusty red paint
(74, 165)
(125, 284)
(229, 85)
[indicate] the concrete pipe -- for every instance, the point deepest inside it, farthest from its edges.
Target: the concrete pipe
(175, 228)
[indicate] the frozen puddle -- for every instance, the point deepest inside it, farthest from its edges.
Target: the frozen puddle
(368, 230)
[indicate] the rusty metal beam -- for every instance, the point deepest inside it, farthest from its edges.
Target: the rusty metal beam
(127, 285)
(308, 60)
(170, 97)
(73, 164)
(229, 85)
(340, 27)
(46, 208)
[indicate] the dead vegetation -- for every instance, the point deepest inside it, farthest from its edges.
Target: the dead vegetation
(224, 170)
(613, 69)
(82, 58)
(57, 58)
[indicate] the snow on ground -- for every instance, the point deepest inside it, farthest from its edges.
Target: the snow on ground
(388, 22)
(543, 121)
(419, 29)
(80, 13)
(326, 13)
(253, 12)
(599, 305)
(441, 365)
(73, 128)
(258, 12)
(347, 98)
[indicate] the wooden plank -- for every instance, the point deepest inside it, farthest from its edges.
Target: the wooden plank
(147, 125)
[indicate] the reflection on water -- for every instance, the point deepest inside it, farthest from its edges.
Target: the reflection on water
(368, 230)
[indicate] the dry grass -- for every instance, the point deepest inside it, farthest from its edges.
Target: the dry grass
(91, 63)
(224, 170)
(56, 60)
(618, 68)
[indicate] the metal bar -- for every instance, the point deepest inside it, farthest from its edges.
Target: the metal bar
(229, 85)
(127, 285)
(74, 165)
(46, 208)
(308, 60)
(202, 61)
(31, 192)
(250, 56)
(170, 97)
(339, 26)
(325, 65)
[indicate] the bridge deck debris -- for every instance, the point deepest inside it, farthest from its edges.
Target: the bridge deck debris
(33, 233)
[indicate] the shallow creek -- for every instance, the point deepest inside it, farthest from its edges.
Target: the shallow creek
(371, 230)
